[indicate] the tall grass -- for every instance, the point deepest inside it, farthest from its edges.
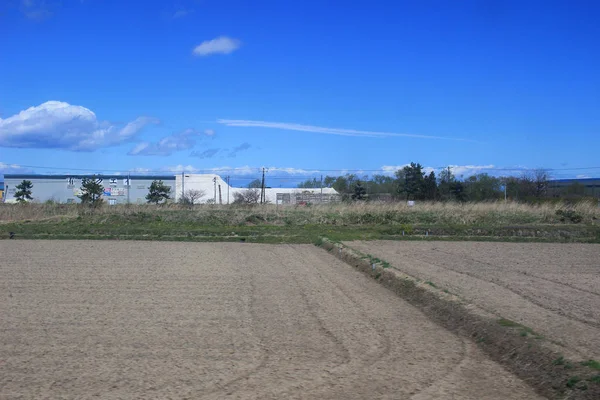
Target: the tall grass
(490, 214)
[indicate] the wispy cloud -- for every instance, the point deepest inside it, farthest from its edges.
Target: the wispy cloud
(210, 153)
(59, 125)
(238, 149)
(170, 144)
(38, 9)
(220, 45)
(319, 129)
(181, 13)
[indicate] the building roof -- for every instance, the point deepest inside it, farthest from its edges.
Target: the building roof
(79, 176)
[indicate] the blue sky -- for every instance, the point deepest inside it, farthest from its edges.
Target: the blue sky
(301, 87)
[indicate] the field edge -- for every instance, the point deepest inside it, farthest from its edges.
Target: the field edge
(544, 369)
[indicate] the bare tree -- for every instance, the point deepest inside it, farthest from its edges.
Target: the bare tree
(192, 196)
(249, 196)
(540, 180)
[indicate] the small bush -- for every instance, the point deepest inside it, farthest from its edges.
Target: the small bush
(569, 215)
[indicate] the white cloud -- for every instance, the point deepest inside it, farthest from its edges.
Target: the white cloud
(12, 169)
(220, 45)
(468, 170)
(247, 170)
(582, 176)
(141, 170)
(209, 132)
(168, 145)
(293, 171)
(59, 125)
(181, 168)
(239, 171)
(457, 170)
(319, 129)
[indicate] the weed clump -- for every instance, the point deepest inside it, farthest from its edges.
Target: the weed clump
(569, 215)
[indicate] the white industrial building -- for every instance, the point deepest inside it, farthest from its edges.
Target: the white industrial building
(119, 189)
(217, 190)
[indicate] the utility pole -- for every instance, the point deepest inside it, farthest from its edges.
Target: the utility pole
(228, 189)
(228, 185)
(449, 189)
(321, 189)
(128, 186)
(182, 185)
(220, 198)
(215, 184)
(262, 191)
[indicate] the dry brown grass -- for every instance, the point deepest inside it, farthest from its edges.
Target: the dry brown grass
(493, 213)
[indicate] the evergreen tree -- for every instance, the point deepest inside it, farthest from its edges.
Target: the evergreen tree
(255, 184)
(310, 184)
(91, 191)
(23, 193)
(430, 187)
(360, 193)
(158, 192)
(413, 185)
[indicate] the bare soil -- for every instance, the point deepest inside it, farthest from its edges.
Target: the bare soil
(552, 288)
(91, 319)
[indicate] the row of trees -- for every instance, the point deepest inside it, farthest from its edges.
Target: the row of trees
(414, 183)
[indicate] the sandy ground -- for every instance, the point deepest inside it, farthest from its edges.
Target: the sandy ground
(552, 288)
(141, 320)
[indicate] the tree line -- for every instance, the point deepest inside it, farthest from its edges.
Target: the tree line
(413, 182)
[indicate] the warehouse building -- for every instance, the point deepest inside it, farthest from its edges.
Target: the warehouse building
(216, 190)
(118, 189)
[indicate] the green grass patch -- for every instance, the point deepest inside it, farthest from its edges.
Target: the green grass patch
(592, 364)
(574, 380)
(431, 284)
(508, 323)
(523, 330)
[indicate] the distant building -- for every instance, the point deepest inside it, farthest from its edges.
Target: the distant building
(217, 190)
(117, 190)
(65, 188)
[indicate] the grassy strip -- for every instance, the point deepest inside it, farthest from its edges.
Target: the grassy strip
(503, 340)
(146, 227)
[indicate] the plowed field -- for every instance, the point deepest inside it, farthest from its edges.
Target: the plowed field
(552, 288)
(91, 319)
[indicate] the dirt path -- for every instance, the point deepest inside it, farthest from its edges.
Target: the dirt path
(552, 288)
(190, 320)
